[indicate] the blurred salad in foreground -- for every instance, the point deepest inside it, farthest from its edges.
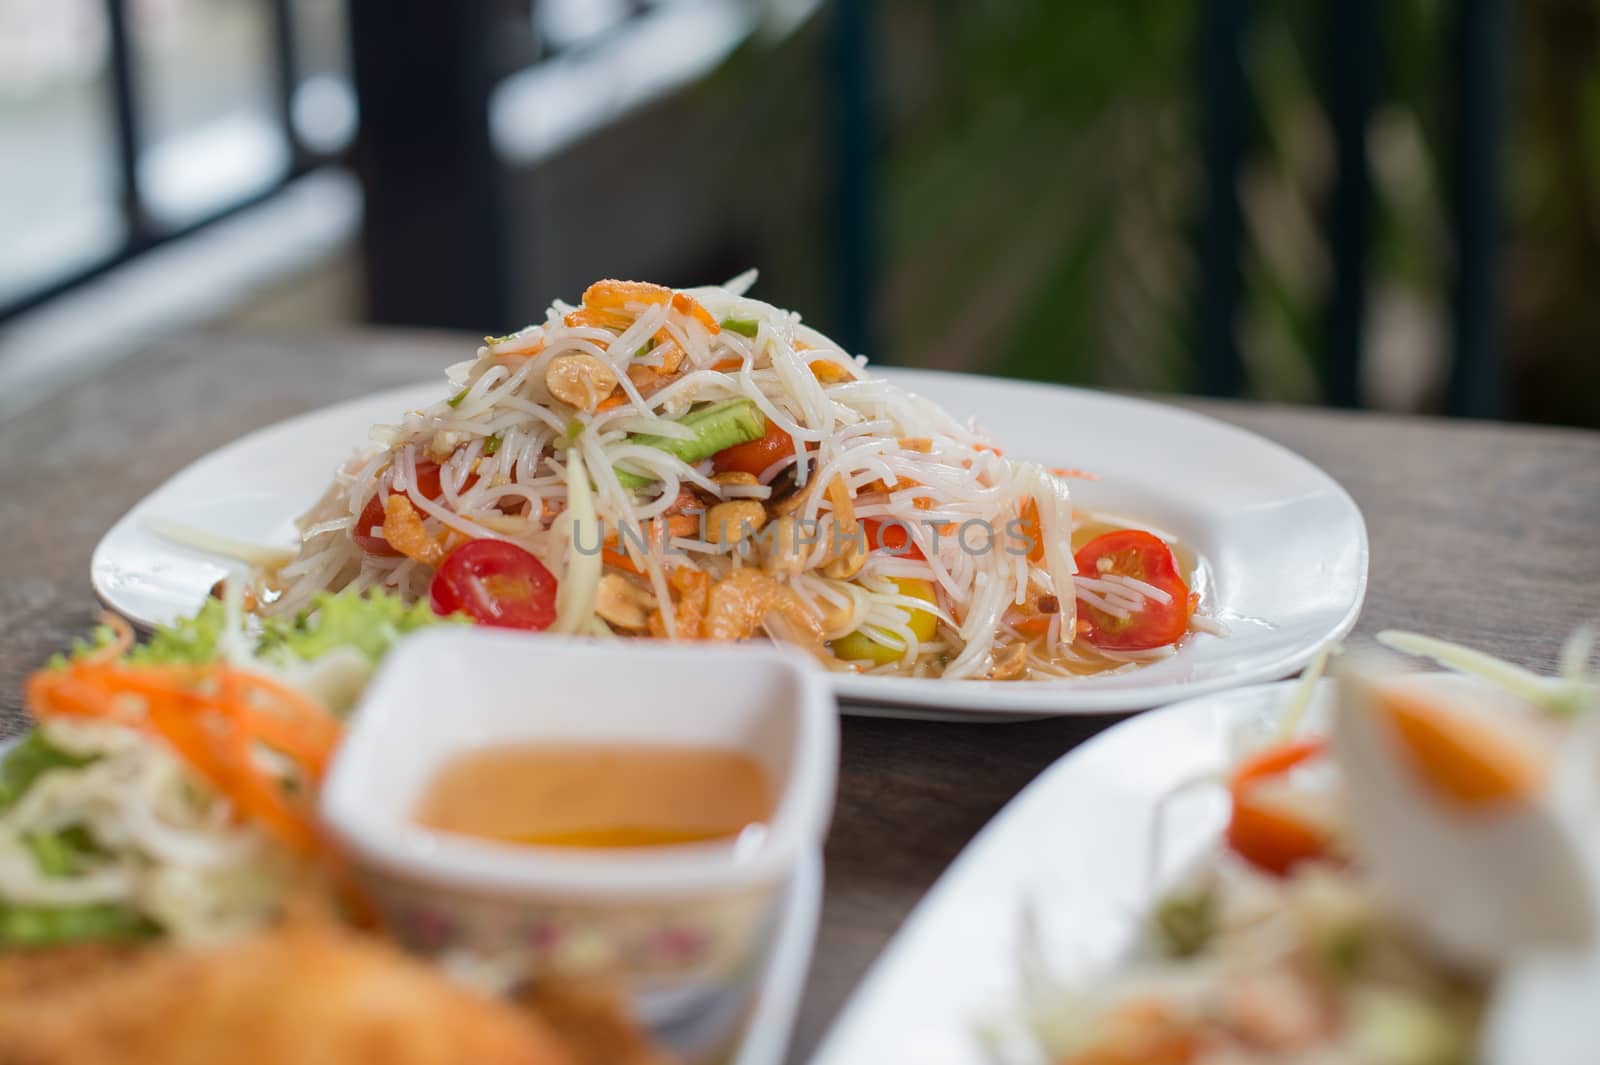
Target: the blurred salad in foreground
(1415, 881)
(169, 787)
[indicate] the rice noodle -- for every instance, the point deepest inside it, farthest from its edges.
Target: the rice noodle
(520, 466)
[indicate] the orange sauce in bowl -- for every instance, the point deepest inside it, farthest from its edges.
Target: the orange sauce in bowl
(598, 795)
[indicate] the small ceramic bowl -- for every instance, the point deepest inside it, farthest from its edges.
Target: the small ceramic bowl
(681, 926)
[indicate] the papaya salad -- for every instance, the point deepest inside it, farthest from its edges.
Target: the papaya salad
(699, 464)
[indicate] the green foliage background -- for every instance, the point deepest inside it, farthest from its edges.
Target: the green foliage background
(1040, 189)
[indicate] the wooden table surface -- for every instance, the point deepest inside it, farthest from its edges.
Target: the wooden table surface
(1481, 532)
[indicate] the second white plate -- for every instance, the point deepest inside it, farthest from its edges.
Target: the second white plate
(1075, 847)
(1283, 545)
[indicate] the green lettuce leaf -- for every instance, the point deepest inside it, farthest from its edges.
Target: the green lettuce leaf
(52, 926)
(29, 760)
(370, 623)
(63, 853)
(192, 641)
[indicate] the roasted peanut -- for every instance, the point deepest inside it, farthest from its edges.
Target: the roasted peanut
(623, 605)
(730, 522)
(788, 504)
(581, 380)
(849, 554)
(781, 549)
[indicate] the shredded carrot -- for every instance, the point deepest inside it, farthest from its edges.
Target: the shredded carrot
(728, 365)
(619, 560)
(1082, 475)
(685, 304)
(878, 485)
(196, 740)
(829, 372)
(1031, 626)
(1032, 529)
(217, 719)
(262, 797)
(612, 402)
(684, 525)
(844, 511)
(68, 694)
(612, 554)
(285, 719)
(671, 357)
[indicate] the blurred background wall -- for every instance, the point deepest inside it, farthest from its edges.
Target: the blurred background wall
(1393, 205)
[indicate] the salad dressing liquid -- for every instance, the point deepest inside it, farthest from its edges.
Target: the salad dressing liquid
(598, 795)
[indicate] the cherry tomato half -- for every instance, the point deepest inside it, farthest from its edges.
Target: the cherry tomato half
(892, 536)
(372, 514)
(495, 583)
(757, 455)
(1143, 556)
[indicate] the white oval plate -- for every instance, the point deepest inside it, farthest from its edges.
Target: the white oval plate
(1283, 546)
(1076, 846)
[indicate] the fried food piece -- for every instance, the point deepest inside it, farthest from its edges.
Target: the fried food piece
(308, 995)
(48, 971)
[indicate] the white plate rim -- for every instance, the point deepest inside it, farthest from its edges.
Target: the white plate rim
(992, 701)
